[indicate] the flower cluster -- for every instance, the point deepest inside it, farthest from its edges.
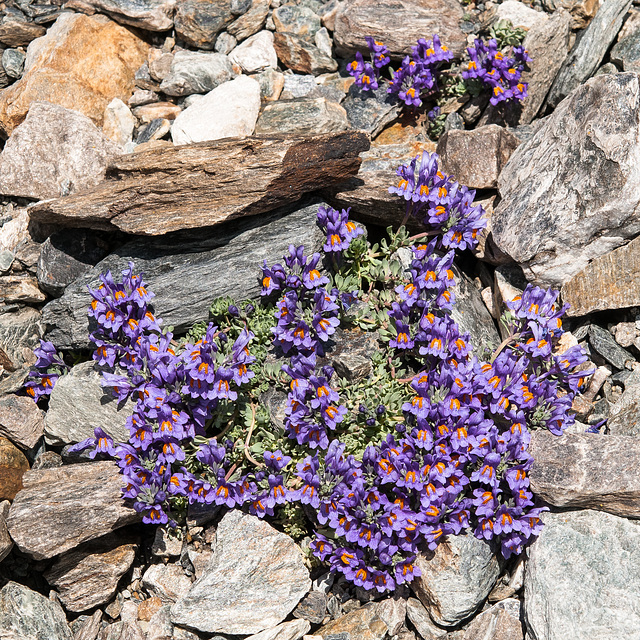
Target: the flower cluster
(48, 368)
(498, 71)
(368, 73)
(439, 202)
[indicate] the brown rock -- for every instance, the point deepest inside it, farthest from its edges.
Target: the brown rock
(13, 466)
(88, 576)
(20, 289)
(300, 56)
(203, 184)
(59, 509)
(149, 112)
(20, 420)
(85, 81)
(198, 22)
(398, 24)
(476, 157)
(611, 281)
(251, 22)
(363, 624)
(500, 622)
(6, 543)
(19, 34)
(582, 11)
(587, 471)
(147, 608)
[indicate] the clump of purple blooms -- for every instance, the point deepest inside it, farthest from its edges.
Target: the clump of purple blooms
(501, 73)
(48, 368)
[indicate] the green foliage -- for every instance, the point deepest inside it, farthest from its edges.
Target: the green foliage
(506, 34)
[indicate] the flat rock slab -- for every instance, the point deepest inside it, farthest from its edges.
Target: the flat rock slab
(361, 624)
(61, 508)
(154, 15)
(28, 615)
(587, 471)
(255, 578)
(579, 578)
(21, 420)
(20, 332)
(571, 193)
(499, 622)
(188, 273)
(202, 184)
(305, 116)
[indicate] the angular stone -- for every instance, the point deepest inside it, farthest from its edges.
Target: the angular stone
(587, 54)
(28, 615)
(421, 620)
(59, 509)
(293, 630)
(587, 471)
(255, 578)
(398, 25)
(520, 15)
(20, 333)
(19, 34)
(88, 576)
(20, 420)
(500, 622)
(300, 56)
(234, 104)
(86, 81)
(6, 543)
(393, 612)
(582, 558)
(194, 72)
(250, 22)
(256, 53)
(351, 355)
(54, 152)
(141, 97)
(198, 22)
(153, 132)
(13, 466)
(306, 116)
(370, 111)
(457, 579)
(153, 15)
(603, 343)
(20, 289)
(159, 64)
(557, 212)
(202, 185)
(626, 52)
(166, 581)
(582, 11)
(79, 404)
(361, 624)
(119, 123)
(476, 157)
(225, 43)
(297, 86)
(625, 417)
(296, 19)
(89, 628)
(163, 110)
(13, 63)
(313, 607)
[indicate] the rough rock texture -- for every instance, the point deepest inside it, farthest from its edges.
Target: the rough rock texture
(54, 152)
(399, 24)
(58, 509)
(20, 288)
(587, 54)
(626, 52)
(198, 22)
(250, 22)
(297, 54)
(86, 81)
(21, 420)
(476, 157)
(307, 116)
(88, 576)
(166, 581)
(6, 543)
(186, 274)
(582, 11)
(456, 581)
(520, 15)
(255, 578)
(371, 111)
(587, 471)
(293, 630)
(579, 575)
(196, 72)
(13, 465)
(363, 624)
(499, 622)
(421, 620)
(158, 191)
(118, 123)
(256, 53)
(28, 615)
(153, 15)
(20, 332)
(14, 33)
(571, 193)
(78, 404)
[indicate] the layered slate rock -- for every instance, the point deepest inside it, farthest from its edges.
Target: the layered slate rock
(86, 81)
(579, 575)
(20, 333)
(198, 22)
(307, 116)
(79, 404)
(476, 157)
(21, 420)
(155, 192)
(166, 581)
(398, 25)
(59, 509)
(54, 152)
(587, 471)
(28, 615)
(255, 578)
(153, 15)
(293, 630)
(571, 193)
(297, 54)
(13, 466)
(421, 620)
(195, 72)
(499, 622)
(363, 623)
(88, 576)
(457, 579)
(187, 274)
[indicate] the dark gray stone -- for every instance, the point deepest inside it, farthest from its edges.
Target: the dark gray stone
(370, 111)
(305, 116)
(603, 343)
(313, 607)
(13, 62)
(155, 130)
(626, 52)
(198, 22)
(195, 72)
(249, 23)
(188, 273)
(351, 355)
(299, 20)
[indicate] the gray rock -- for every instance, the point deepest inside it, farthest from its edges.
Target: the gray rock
(59, 509)
(160, 626)
(119, 123)
(626, 52)
(54, 152)
(351, 355)
(198, 22)
(313, 607)
(557, 212)
(141, 97)
(88, 576)
(602, 342)
(587, 471)
(159, 64)
(626, 421)
(305, 116)
(297, 19)
(225, 43)
(154, 130)
(393, 612)
(500, 622)
(90, 627)
(579, 575)
(195, 72)
(28, 615)
(271, 84)
(78, 404)
(166, 581)
(143, 79)
(421, 620)
(20, 333)
(256, 53)
(323, 41)
(293, 630)
(361, 624)
(21, 420)
(6, 543)
(13, 62)
(297, 86)
(6, 260)
(251, 22)
(370, 111)
(254, 580)
(187, 275)
(154, 15)
(589, 50)
(297, 54)
(457, 580)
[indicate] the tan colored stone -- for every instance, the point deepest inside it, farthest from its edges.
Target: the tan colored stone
(147, 608)
(149, 112)
(13, 465)
(19, 34)
(82, 63)
(20, 289)
(21, 420)
(363, 623)
(582, 12)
